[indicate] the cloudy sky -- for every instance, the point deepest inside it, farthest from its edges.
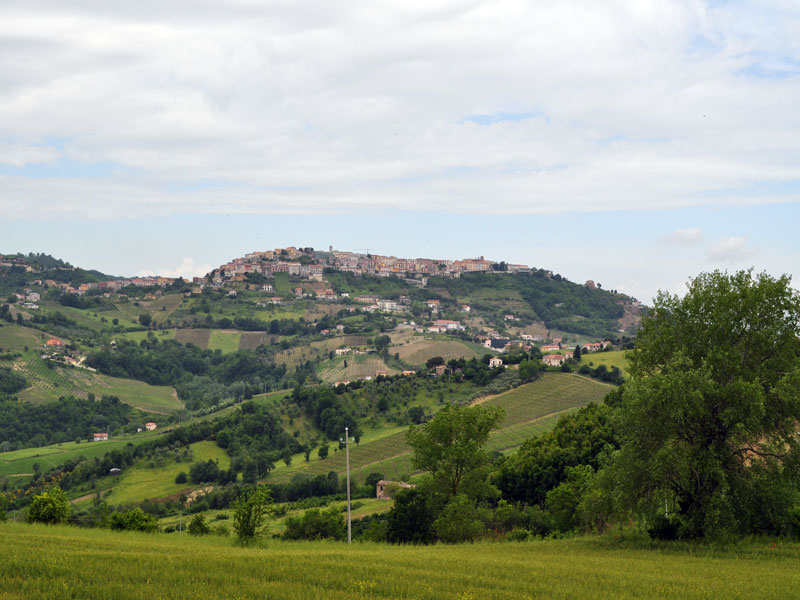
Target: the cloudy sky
(634, 143)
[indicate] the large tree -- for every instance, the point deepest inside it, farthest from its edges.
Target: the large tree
(451, 445)
(709, 418)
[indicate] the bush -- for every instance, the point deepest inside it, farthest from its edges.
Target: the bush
(315, 525)
(460, 521)
(133, 520)
(50, 507)
(198, 526)
(181, 477)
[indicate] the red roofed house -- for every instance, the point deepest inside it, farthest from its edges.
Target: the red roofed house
(150, 426)
(100, 437)
(53, 343)
(554, 360)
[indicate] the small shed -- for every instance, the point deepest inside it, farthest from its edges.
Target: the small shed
(385, 489)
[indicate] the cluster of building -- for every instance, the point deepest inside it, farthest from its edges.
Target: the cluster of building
(310, 264)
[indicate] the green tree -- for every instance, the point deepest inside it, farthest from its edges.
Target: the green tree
(708, 420)
(451, 445)
(316, 525)
(198, 526)
(145, 320)
(461, 521)
(51, 507)
(576, 354)
(133, 520)
(249, 513)
(323, 451)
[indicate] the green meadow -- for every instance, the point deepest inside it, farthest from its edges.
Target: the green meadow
(61, 562)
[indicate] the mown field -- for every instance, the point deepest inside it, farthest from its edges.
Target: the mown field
(61, 562)
(615, 358)
(48, 384)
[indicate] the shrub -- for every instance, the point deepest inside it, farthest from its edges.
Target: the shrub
(250, 510)
(198, 526)
(133, 520)
(50, 507)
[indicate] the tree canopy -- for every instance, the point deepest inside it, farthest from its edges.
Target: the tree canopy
(451, 445)
(708, 421)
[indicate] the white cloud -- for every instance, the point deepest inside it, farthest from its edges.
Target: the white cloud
(731, 250)
(187, 269)
(684, 237)
(297, 106)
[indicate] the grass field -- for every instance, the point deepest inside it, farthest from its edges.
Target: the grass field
(61, 562)
(138, 336)
(46, 385)
(615, 358)
(14, 337)
(20, 462)
(226, 341)
(418, 352)
(141, 483)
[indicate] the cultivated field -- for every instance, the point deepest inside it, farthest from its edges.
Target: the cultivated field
(64, 563)
(418, 352)
(250, 340)
(14, 337)
(198, 337)
(358, 366)
(46, 385)
(552, 393)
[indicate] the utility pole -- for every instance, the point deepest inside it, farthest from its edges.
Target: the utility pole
(347, 462)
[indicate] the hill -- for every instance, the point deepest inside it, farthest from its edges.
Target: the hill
(530, 409)
(60, 562)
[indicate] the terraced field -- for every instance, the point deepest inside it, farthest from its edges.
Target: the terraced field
(418, 352)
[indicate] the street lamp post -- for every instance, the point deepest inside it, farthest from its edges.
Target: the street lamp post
(347, 461)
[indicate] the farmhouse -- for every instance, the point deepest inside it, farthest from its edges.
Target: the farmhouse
(550, 347)
(150, 426)
(554, 360)
(495, 362)
(54, 343)
(100, 437)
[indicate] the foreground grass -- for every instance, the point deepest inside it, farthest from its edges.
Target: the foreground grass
(63, 562)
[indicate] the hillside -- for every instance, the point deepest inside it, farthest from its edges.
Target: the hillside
(530, 409)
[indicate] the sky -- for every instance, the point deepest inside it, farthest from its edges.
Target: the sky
(632, 143)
